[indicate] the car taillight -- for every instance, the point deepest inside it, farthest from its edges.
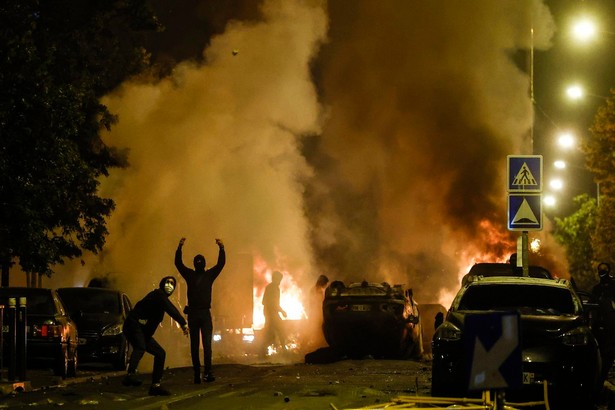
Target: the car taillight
(47, 330)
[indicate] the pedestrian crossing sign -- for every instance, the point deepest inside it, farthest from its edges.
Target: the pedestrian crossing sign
(525, 212)
(524, 173)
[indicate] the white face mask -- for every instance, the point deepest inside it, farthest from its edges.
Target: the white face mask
(168, 288)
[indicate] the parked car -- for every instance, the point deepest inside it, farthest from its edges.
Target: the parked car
(99, 314)
(51, 335)
(557, 344)
(505, 269)
(371, 319)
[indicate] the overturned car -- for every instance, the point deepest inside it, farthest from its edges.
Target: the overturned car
(374, 319)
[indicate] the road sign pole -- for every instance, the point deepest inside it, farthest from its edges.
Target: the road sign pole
(524, 255)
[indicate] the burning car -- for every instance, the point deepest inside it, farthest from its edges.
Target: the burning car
(374, 319)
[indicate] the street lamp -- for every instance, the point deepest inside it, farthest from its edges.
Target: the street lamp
(556, 184)
(559, 164)
(549, 200)
(584, 29)
(566, 140)
(576, 92)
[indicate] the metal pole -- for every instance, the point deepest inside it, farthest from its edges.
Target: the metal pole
(12, 342)
(524, 255)
(22, 346)
(532, 87)
(1, 338)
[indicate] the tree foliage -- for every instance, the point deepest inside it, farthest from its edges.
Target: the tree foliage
(574, 232)
(57, 59)
(599, 148)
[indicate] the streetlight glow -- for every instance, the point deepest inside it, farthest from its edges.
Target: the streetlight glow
(574, 92)
(566, 140)
(549, 200)
(559, 164)
(584, 30)
(556, 184)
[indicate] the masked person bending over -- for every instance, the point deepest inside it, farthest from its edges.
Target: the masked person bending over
(139, 328)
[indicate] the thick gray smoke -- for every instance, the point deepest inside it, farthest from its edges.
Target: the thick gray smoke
(362, 140)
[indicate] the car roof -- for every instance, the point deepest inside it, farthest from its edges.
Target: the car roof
(506, 269)
(526, 280)
(80, 289)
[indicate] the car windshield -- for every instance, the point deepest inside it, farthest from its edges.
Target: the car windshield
(77, 301)
(528, 299)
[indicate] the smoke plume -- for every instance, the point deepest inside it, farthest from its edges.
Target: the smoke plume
(360, 140)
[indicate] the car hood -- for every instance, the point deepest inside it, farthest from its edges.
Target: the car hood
(530, 324)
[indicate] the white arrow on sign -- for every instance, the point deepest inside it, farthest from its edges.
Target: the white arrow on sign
(486, 364)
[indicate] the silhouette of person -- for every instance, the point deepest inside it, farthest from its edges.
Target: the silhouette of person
(604, 292)
(139, 328)
(315, 335)
(200, 282)
(517, 270)
(438, 320)
(271, 310)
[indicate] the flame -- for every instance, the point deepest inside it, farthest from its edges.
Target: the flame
(499, 246)
(291, 295)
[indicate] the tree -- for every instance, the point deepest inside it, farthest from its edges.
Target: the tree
(574, 232)
(599, 148)
(56, 60)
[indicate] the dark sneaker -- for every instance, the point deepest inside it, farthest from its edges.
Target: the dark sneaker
(209, 378)
(131, 380)
(197, 379)
(158, 390)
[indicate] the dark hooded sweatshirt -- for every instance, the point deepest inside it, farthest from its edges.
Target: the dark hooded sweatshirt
(150, 310)
(199, 282)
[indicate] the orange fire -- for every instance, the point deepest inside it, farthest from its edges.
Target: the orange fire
(291, 295)
(498, 247)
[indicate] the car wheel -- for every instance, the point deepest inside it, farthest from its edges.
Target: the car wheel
(61, 363)
(71, 371)
(120, 362)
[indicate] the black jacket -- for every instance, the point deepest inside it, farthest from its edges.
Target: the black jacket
(199, 282)
(150, 310)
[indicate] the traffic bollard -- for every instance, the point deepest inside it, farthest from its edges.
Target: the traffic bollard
(22, 347)
(12, 321)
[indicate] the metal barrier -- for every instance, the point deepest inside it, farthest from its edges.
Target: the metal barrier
(486, 402)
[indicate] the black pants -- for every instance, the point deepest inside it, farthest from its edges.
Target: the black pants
(201, 327)
(142, 343)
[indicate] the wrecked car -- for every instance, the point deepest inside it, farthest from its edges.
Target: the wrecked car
(374, 319)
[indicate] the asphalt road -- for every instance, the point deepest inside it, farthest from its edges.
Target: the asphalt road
(347, 384)
(264, 385)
